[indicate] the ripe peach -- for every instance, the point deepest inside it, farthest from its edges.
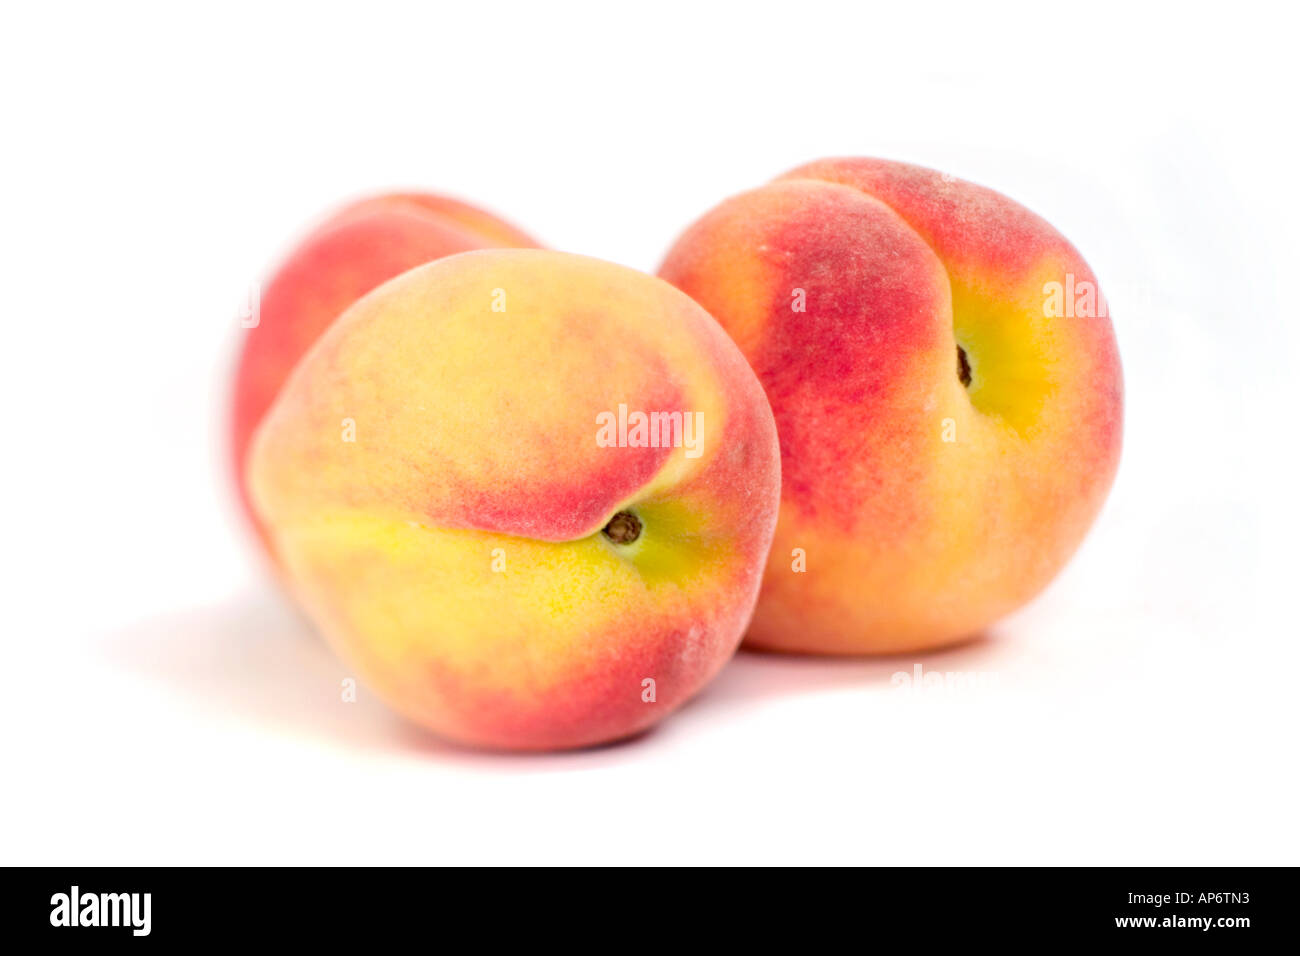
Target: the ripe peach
(528, 495)
(949, 422)
(364, 244)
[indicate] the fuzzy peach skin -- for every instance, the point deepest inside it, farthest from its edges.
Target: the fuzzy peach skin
(922, 509)
(361, 246)
(435, 483)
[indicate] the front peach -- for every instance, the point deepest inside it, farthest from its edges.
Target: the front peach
(464, 497)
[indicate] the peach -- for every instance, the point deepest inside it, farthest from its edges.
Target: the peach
(946, 387)
(527, 495)
(361, 246)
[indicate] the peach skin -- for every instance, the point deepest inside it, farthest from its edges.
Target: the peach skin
(364, 244)
(527, 495)
(946, 387)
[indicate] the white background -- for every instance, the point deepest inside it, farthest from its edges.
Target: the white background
(162, 705)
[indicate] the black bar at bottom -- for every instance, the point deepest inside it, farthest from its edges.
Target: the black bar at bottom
(211, 906)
